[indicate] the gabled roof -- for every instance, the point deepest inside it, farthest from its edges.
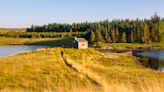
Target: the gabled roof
(80, 40)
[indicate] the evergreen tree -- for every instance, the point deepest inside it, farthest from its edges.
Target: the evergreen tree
(107, 37)
(92, 37)
(146, 33)
(131, 31)
(98, 35)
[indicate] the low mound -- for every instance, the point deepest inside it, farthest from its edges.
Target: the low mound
(13, 29)
(72, 70)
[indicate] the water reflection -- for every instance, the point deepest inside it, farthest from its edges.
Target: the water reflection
(159, 54)
(152, 59)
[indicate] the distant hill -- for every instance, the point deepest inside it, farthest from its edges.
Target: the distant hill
(12, 29)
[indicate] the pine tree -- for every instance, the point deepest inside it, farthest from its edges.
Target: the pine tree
(124, 37)
(92, 37)
(146, 33)
(98, 35)
(113, 36)
(107, 37)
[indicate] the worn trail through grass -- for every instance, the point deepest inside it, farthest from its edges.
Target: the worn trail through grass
(83, 72)
(72, 70)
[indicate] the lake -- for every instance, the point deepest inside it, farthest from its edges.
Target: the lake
(152, 59)
(14, 49)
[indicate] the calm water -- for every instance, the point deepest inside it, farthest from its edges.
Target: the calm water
(153, 59)
(11, 50)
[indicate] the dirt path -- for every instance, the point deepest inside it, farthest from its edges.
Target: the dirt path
(80, 69)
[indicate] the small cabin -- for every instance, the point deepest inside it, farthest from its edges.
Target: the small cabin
(80, 43)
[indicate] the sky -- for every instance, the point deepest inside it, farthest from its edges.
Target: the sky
(24, 13)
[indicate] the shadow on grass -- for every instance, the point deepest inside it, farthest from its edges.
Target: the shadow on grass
(65, 42)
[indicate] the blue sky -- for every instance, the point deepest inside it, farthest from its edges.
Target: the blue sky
(24, 13)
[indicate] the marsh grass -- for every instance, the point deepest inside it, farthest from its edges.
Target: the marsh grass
(44, 70)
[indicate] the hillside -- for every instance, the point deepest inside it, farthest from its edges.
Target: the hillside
(71, 70)
(12, 29)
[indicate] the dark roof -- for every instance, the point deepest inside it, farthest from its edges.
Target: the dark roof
(80, 40)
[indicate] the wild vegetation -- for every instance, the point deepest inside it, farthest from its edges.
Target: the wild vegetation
(25, 41)
(88, 30)
(13, 29)
(117, 31)
(71, 70)
(41, 34)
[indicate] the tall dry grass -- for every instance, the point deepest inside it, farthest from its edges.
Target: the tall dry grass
(46, 70)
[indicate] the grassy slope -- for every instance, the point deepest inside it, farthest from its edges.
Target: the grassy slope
(56, 42)
(12, 29)
(127, 46)
(25, 41)
(71, 70)
(20, 41)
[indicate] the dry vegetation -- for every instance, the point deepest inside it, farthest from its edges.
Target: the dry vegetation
(12, 29)
(26, 41)
(71, 70)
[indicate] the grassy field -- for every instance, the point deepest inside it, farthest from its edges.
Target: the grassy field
(129, 46)
(55, 42)
(12, 29)
(25, 41)
(59, 42)
(72, 70)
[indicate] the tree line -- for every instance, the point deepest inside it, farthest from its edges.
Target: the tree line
(126, 31)
(116, 31)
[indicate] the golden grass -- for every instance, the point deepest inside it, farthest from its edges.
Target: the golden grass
(12, 29)
(127, 46)
(71, 70)
(55, 42)
(24, 41)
